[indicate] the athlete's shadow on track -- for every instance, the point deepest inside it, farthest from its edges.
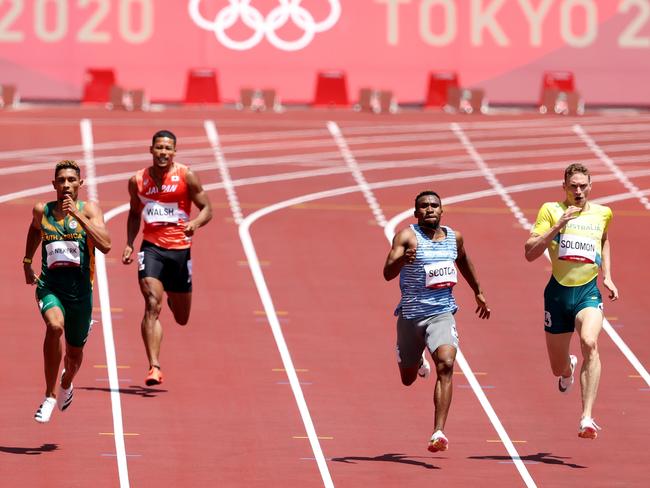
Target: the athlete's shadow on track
(389, 457)
(132, 390)
(540, 457)
(30, 451)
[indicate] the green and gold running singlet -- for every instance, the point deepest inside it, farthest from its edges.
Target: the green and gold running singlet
(68, 261)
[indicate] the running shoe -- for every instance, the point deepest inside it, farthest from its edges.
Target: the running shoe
(425, 368)
(64, 396)
(588, 428)
(438, 442)
(44, 412)
(155, 376)
(565, 384)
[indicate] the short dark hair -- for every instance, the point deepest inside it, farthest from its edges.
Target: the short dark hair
(163, 133)
(576, 168)
(67, 164)
(427, 193)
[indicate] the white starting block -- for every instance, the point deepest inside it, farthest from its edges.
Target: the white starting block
(466, 100)
(561, 102)
(376, 101)
(258, 100)
(121, 99)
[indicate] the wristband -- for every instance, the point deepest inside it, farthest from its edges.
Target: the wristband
(27, 260)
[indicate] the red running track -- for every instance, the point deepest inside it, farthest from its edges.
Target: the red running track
(226, 414)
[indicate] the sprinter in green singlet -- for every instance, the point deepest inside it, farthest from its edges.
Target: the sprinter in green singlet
(69, 230)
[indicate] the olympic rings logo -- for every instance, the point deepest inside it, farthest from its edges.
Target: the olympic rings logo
(265, 27)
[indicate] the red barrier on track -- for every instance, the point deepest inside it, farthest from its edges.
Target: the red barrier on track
(557, 80)
(439, 82)
(202, 86)
(331, 89)
(98, 84)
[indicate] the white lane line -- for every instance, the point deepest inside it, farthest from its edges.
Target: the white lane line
(634, 190)
(285, 355)
(352, 164)
(611, 165)
(618, 198)
(231, 195)
(490, 177)
(107, 322)
(89, 158)
(265, 296)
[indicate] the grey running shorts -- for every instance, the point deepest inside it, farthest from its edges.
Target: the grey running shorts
(413, 335)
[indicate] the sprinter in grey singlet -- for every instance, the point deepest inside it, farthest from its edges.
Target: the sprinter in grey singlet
(425, 257)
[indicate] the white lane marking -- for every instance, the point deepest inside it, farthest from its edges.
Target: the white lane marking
(276, 329)
(618, 198)
(107, 322)
(490, 177)
(89, 161)
(265, 296)
(611, 165)
(231, 195)
(352, 164)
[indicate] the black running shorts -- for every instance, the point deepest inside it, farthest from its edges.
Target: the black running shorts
(172, 267)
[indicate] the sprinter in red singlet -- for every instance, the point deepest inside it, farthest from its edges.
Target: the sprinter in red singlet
(163, 195)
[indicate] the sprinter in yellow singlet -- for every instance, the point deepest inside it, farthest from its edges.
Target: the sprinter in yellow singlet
(575, 233)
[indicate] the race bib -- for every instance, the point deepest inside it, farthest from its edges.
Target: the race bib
(159, 212)
(440, 274)
(62, 253)
(577, 248)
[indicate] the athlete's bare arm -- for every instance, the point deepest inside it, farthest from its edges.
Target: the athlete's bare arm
(32, 242)
(132, 222)
(401, 252)
(202, 202)
(537, 244)
(466, 268)
(91, 219)
(606, 266)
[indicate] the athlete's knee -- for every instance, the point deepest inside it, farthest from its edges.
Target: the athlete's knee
(408, 381)
(180, 307)
(589, 346)
(408, 377)
(182, 320)
(152, 303)
(74, 354)
(182, 316)
(445, 368)
(54, 328)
